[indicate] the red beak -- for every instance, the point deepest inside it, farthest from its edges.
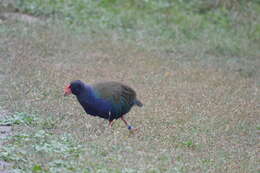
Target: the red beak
(67, 90)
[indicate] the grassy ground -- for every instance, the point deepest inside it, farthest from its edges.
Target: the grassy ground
(201, 92)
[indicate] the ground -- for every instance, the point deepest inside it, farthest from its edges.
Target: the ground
(200, 114)
(4, 132)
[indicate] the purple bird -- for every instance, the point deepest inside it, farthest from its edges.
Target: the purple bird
(108, 100)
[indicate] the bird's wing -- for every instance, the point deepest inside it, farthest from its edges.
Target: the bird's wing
(115, 92)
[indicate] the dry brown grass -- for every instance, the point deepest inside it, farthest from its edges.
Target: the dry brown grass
(196, 118)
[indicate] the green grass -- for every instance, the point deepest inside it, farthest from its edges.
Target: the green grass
(28, 149)
(195, 70)
(171, 25)
(18, 118)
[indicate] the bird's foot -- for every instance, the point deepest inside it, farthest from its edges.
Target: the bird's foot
(132, 129)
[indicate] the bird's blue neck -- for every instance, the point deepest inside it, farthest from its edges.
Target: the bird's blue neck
(87, 95)
(92, 104)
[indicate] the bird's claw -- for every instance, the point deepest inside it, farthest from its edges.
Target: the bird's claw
(132, 129)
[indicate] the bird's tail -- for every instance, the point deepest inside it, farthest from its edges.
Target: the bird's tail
(138, 103)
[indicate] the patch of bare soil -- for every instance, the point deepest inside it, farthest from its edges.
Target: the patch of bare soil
(14, 16)
(10, 13)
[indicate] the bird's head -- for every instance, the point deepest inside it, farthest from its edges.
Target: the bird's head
(75, 87)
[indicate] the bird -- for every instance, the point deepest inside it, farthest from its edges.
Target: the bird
(108, 100)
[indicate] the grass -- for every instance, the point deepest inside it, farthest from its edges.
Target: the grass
(168, 25)
(32, 146)
(200, 88)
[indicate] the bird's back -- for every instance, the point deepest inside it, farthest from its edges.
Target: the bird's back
(121, 96)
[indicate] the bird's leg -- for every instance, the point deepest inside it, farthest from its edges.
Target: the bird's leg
(128, 126)
(111, 122)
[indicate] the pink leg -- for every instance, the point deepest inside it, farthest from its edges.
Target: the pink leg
(123, 119)
(111, 122)
(128, 126)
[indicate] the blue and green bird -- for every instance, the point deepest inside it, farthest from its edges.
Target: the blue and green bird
(109, 100)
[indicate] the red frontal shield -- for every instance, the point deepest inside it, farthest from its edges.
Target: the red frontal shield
(67, 90)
